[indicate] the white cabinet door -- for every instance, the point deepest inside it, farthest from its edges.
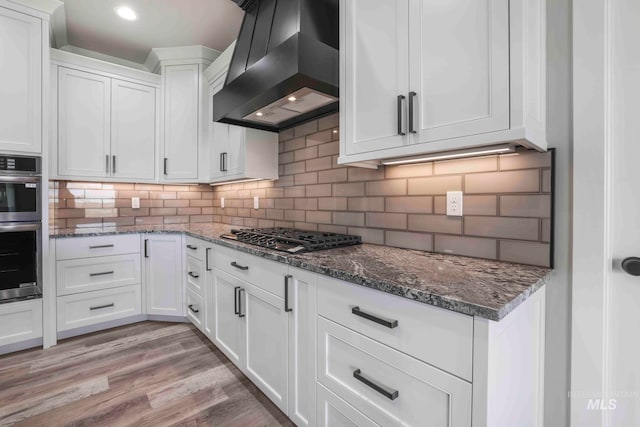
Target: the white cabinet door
(163, 274)
(218, 135)
(335, 412)
(235, 163)
(133, 130)
(459, 54)
(84, 109)
(266, 342)
(302, 346)
(374, 51)
(20, 82)
(20, 321)
(226, 326)
(181, 100)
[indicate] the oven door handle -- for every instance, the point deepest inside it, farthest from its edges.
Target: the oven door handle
(8, 227)
(19, 179)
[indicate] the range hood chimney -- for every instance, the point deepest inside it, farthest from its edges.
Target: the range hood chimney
(285, 67)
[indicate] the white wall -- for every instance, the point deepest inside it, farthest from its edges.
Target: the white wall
(560, 135)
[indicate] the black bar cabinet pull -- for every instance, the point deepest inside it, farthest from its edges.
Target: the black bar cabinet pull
(240, 313)
(412, 100)
(107, 162)
(194, 275)
(193, 248)
(100, 246)
(400, 99)
(221, 160)
(165, 165)
(146, 248)
(389, 323)
(113, 169)
(98, 307)
(286, 293)
(224, 161)
(241, 267)
(236, 310)
(105, 273)
(389, 394)
(193, 309)
(206, 259)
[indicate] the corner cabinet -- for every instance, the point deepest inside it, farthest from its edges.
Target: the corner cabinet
(106, 127)
(237, 153)
(453, 78)
(23, 42)
(181, 88)
(163, 274)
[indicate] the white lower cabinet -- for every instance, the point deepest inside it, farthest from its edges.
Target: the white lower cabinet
(195, 309)
(20, 321)
(89, 308)
(163, 276)
(225, 325)
(335, 412)
(391, 387)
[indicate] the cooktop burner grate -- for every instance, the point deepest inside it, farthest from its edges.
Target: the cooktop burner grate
(291, 240)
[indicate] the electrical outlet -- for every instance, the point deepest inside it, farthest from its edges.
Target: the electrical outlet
(135, 203)
(222, 202)
(256, 202)
(454, 203)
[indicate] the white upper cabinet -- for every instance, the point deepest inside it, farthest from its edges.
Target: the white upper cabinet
(133, 130)
(181, 109)
(237, 153)
(424, 76)
(20, 82)
(84, 103)
(106, 121)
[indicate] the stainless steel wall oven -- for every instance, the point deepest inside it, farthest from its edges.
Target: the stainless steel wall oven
(20, 228)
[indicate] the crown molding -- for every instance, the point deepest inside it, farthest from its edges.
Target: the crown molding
(103, 57)
(221, 65)
(43, 6)
(160, 56)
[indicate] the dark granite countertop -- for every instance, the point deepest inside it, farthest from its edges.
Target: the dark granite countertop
(478, 287)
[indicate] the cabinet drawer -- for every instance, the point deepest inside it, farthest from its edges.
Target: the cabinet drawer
(92, 274)
(335, 412)
(20, 321)
(195, 275)
(89, 308)
(195, 309)
(393, 389)
(195, 248)
(86, 247)
(437, 336)
(266, 274)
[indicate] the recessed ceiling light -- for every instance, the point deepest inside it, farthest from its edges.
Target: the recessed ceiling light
(127, 13)
(259, 114)
(292, 98)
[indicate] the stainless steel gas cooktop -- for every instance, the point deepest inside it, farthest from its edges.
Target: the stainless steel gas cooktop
(291, 240)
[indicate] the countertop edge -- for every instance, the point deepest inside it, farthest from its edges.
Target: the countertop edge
(383, 286)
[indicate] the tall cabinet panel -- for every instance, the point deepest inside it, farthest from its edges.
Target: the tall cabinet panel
(459, 68)
(20, 82)
(163, 274)
(83, 123)
(181, 101)
(376, 75)
(133, 130)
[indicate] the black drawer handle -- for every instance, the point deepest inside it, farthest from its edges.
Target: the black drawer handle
(240, 313)
(192, 274)
(238, 266)
(100, 247)
(105, 273)
(193, 248)
(389, 323)
(236, 310)
(389, 394)
(193, 309)
(98, 307)
(206, 259)
(286, 293)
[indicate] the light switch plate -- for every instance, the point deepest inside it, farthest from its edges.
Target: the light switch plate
(135, 203)
(454, 203)
(256, 202)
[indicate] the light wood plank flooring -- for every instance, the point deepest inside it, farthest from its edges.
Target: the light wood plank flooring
(146, 374)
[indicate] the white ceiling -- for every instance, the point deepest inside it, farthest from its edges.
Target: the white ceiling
(93, 25)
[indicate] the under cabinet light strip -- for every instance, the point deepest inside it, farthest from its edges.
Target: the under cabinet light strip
(453, 155)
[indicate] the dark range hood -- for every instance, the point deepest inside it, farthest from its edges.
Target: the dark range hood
(285, 67)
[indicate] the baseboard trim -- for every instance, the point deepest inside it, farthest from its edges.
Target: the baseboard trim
(19, 346)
